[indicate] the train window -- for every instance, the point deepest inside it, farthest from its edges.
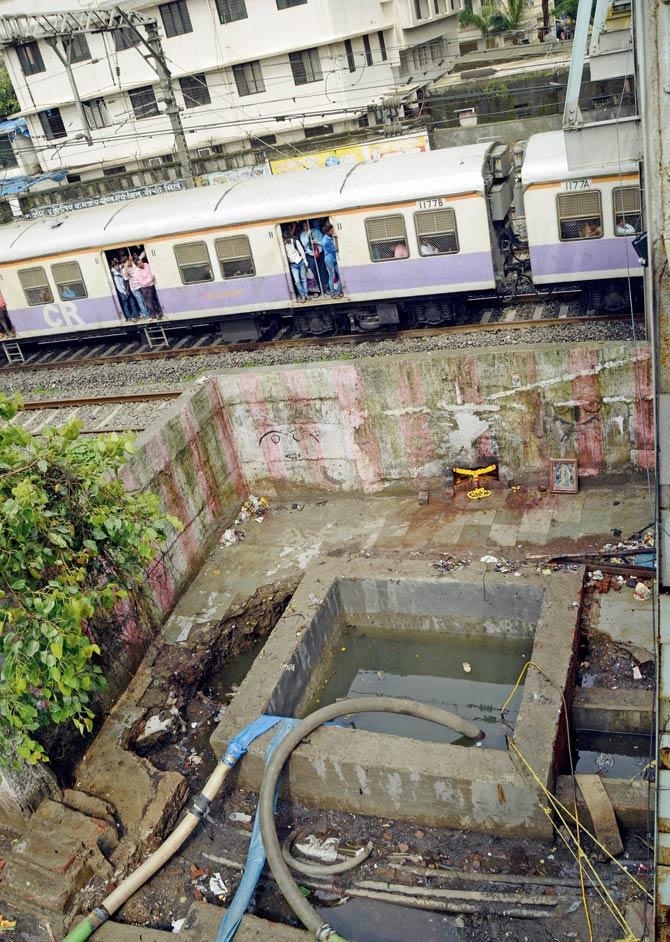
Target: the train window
(235, 258)
(387, 238)
(35, 286)
(69, 282)
(627, 210)
(580, 215)
(193, 261)
(436, 232)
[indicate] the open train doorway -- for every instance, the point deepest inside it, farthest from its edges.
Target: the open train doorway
(133, 299)
(312, 253)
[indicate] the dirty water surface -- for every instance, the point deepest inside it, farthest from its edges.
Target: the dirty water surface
(469, 676)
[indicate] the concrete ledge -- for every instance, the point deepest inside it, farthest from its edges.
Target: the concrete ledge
(202, 923)
(632, 799)
(613, 711)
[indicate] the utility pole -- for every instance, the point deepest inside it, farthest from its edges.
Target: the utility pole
(152, 42)
(65, 56)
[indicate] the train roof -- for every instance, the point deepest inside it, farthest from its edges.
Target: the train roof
(287, 196)
(546, 161)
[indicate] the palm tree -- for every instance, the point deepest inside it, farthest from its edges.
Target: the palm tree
(495, 17)
(483, 21)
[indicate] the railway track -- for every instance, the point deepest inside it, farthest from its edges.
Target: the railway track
(207, 344)
(128, 412)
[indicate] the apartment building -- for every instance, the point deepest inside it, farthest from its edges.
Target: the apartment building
(278, 71)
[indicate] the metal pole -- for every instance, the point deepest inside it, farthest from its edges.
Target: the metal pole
(171, 106)
(572, 117)
(152, 43)
(65, 59)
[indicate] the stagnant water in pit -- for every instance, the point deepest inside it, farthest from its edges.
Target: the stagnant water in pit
(430, 667)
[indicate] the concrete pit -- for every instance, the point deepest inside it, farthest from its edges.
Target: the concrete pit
(437, 783)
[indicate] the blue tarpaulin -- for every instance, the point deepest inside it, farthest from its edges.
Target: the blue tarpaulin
(13, 185)
(14, 126)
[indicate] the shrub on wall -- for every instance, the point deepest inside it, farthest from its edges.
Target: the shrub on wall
(73, 543)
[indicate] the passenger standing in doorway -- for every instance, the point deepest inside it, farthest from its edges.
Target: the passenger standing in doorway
(312, 252)
(297, 260)
(330, 256)
(147, 282)
(122, 289)
(130, 271)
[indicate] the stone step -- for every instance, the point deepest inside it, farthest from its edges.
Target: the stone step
(60, 851)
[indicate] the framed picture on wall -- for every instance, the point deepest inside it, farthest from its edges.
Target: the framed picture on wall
(563, 477)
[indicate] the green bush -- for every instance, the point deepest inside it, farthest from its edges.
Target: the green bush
(73, 543)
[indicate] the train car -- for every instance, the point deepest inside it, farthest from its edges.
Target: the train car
(430, 226)
(581, 224)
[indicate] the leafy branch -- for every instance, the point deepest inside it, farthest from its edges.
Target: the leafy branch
(73, 543)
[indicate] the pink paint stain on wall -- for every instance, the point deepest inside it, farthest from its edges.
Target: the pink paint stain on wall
(363, 444)
(171, 496)
(162, 585)
(586, 392)
(644, 412)
(415, 425)
(226, 438)
(469, 385)
(200, 463)
(306, 432)
(264, 425)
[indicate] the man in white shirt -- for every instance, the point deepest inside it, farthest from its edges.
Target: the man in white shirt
(297, 260)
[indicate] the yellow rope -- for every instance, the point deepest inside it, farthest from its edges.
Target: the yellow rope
(580, 856)
(630, 876)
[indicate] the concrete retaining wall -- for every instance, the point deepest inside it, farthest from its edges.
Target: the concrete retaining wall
(508, 132)
(187, 458)
(395, 423)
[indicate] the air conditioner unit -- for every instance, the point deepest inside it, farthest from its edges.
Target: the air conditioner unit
(154, 162)
(205, 152)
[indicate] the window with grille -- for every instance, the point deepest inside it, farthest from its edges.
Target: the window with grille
(306, 66)
(436, 232)
(579, 215)
(231, 10)
(176, 18)
(143, 101)
(627, 210)
(368, 50)
(69, 282)
(349, 49)
(193, 261)
(319, 131)
(52, 123)
(30, 58)
(96, 113)
(382, 46)
(249, 78)
(285, 4)
(125, 38)
(76, 48)
(387, 238)
(35, 286)
(195, 91)
(235, 258)
(7, 155)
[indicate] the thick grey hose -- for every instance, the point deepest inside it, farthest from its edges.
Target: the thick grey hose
(282, 874)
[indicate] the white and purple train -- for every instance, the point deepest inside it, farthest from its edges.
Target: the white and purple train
(432, 229)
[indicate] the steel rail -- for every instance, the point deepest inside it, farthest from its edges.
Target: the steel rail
(83, 401)
(331, 340)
